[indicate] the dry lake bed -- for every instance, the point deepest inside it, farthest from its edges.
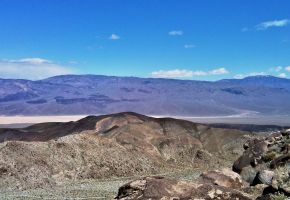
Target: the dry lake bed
(23, 121)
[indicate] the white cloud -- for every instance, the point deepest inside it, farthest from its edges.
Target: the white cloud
(278, 68)
(32, 61)
(31, 68)
(183, 73)
(114, 37)
(282, 75)
(273, 23)
(218, 71)
(199, 73)
(189, 46)
(257, 74)
(240, 76)
(175, 33)
(176, 73)
(287, 68)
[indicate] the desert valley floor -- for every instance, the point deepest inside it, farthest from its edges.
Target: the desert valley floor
(279, 120)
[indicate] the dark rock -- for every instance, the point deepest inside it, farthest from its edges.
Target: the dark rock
(265, 197)
(156, 188)
(248, 174)
(285, 132)
(164, 188)
(270, 191)
(252, 156)
(280, 161)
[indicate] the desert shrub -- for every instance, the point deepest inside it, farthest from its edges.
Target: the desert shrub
(282, 176)
(279, 196)
(269, 156)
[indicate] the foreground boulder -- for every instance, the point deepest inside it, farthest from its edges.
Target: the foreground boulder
(266, 161)
(165, 188)
(252, 156)
(224, 177)
(265, 177)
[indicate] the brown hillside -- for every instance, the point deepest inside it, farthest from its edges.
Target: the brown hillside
(122, 144)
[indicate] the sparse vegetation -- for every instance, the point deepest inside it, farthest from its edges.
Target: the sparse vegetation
(269, 156)
(279, 196)
(88, 189)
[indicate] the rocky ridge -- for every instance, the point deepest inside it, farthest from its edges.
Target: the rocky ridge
(117, 145)
(262, 172)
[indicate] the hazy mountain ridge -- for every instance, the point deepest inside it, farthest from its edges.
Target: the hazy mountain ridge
(90, 94)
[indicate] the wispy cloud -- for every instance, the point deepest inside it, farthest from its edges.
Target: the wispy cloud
(273, 23)
(280, 71)
(240, 76)
(175, 33)
(183, 73)
(176, 73)
(32, 68)
(114, 37)
(277, 69)
(189, 46)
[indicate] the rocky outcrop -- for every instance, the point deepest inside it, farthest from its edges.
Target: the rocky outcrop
(225, 177)
(252, 156)
(165, 188)
(266, 160)
(262, 172)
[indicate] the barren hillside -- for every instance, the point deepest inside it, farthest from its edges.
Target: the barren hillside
(117, 145)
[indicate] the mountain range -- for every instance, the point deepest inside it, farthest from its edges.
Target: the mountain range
(97, 94)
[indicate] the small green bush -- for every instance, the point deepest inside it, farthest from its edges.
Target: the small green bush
(279, 196)
(269, 156)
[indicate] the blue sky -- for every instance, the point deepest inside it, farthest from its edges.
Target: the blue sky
(187, 39)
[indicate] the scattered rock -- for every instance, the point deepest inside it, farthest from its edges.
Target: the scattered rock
(266, 161)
